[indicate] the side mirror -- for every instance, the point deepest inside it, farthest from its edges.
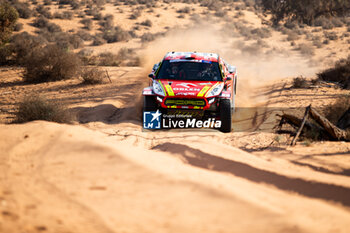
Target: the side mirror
(151, 75)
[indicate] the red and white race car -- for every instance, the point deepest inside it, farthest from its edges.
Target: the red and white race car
(201, 85)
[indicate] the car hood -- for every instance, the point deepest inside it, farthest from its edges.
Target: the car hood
(188, 89)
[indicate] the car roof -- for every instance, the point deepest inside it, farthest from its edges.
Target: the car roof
(192, 56)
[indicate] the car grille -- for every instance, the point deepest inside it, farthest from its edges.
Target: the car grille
(185, 102)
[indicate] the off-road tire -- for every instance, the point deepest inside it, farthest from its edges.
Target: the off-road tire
(225, 115)
(149, 104)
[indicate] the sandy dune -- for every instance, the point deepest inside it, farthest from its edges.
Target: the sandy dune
(108, 175)
(72, 179)
(104, 173)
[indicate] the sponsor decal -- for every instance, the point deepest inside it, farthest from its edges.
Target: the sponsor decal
(185, 89)
(155, 120)
(186, 85)
(202, 92)
(152, 120)
(191, 102)
(169, 90)
(186, 93)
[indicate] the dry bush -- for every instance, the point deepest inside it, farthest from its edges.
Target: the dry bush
(116, 35)
(331, 35)
(50, 63)
(292, 36)
(184, 10)
(300, 82)
(87, 23)
(23, 43)
(33, 108)
(324, 23)
(147, 23)
(84, 35)
(18, 27)
(334, 111)
(22, 8)
(340, 73)
(262, 32)
(98, 40)
(5, 54)
(44, 11)
(92, 75)
(306, 49)
(135, 14)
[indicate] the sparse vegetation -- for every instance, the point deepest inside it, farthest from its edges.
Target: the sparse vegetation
(92, 75)
(300, 82)
(8, 18)
(305, 11)
(33, 108)
(50, 63)
(340, 73)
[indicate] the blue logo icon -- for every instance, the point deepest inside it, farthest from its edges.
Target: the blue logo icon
(151, 120)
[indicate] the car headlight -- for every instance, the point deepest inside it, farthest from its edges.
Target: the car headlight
(216, 90)
(157, 88)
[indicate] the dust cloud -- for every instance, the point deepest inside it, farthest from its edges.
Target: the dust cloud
(254, 69)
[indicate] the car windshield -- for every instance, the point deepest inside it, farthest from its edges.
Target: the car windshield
(193, 70)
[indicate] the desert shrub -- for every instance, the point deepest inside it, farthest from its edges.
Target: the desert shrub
(220, 13)
(18, 27)
(323, 22)
(147, 23)
(43, 22)
(148, 37)
(305, 11)
(23, 9)
(334, 111)
(84, 35)
(23, 43)
(33, 108)
(292, 36)
(44, 11)
(340, 73)
(306, 49)
(116, 35)
(8, 18)
(5, 53)
(316, 41)
(184, 10)
(135, 14)
(261, 32)
(98, 40)
(92, 75)
(331, 35)
(87, 23)
(107, 23)
(337, 22)
(108, 59)
(300, 82)
(50, 63)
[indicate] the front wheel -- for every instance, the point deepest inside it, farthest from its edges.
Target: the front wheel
(225, 115)
(149, 103)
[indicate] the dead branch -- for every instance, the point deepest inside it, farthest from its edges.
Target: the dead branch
(301, 126)
(331, 129)
(108, 76)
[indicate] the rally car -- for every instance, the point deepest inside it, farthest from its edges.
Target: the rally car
(201, 85)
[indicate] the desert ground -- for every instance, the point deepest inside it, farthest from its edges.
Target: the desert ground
(104, 173)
